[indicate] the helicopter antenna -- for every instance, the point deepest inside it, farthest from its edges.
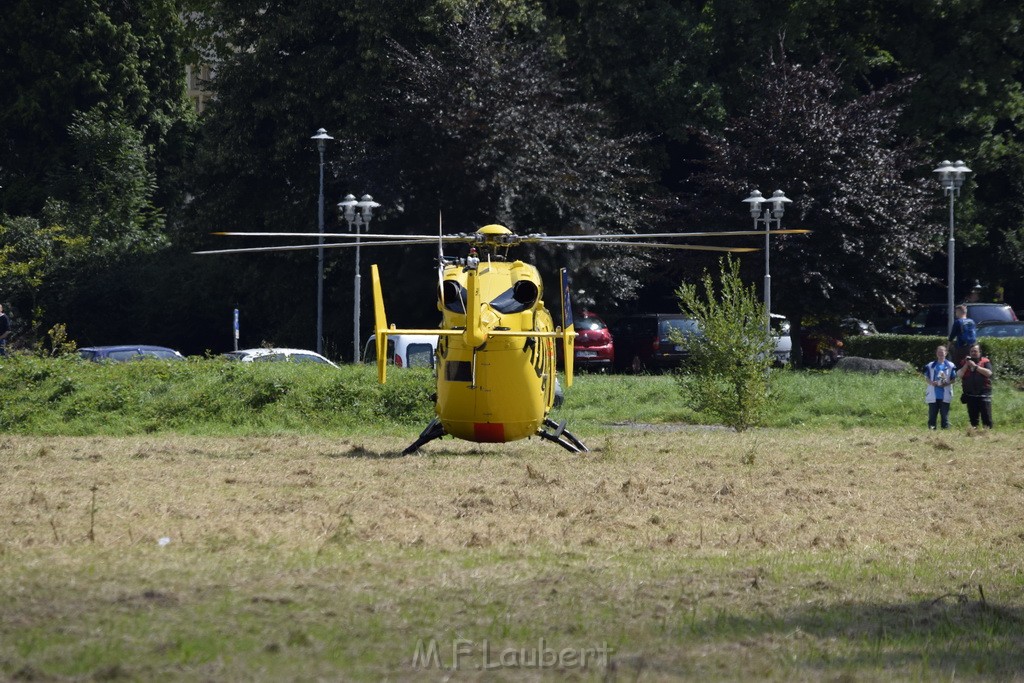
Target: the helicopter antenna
(440, 259)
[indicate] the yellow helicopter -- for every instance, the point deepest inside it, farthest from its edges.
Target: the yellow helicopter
(496, 376)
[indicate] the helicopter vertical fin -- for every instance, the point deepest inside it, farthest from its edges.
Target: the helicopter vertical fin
(475, 334)
(380, 326)
(568, 331)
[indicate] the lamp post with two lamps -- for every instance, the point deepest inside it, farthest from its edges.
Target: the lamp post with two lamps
(951, 178)
(357, 220)
(778, 202)
(321, 138)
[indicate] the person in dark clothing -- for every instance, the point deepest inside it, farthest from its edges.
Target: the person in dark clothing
(977, 387)
(963, 335)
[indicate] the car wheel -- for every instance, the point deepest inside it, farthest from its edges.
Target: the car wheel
(637, 365)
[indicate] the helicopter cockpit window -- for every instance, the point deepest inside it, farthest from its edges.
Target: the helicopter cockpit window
(518, 298)
(454, 296)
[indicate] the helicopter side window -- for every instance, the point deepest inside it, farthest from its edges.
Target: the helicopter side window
(454, 296)
(458, 371)
(518, 298)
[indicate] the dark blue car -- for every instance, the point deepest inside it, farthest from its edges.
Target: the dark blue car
(126, 352)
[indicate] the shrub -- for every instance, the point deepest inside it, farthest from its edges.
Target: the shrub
(730, 362)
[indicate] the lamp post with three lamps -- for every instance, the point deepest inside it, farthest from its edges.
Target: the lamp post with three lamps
(357, 220)
(951, 178)
(778, 202)
(321, 138)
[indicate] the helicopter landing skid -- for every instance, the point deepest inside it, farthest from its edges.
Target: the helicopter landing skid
(561, 436)
(434, 430)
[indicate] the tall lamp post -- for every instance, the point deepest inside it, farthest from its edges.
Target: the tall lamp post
(951, 178)
(778, 202)
(357, 220)
(321, 138)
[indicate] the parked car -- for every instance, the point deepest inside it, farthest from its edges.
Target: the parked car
(933, 319)
(594, 348)
(647, 341)
(278, 355)
(405, 350)
(126, 352)
(991, 329)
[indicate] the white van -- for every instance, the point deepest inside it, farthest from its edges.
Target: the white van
(405, 350)
(783, 342)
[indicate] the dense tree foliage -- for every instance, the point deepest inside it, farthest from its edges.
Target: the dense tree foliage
(544, 114)
(92, 112)
(850, 175)
(487, 125)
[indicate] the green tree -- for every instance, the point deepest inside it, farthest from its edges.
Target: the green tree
(93, 117)
(491, 126)
(730, 362)
(59, 60)
(851, 175)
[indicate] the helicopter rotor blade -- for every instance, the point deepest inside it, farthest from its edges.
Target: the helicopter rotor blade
(663, 245)
(304, 247)
(344, 235)
(668, 235)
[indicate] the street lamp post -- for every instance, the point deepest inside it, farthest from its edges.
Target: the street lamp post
(357, 220)
(951, 178)
(321, 138)
(778, 202)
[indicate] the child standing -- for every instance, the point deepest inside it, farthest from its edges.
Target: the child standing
(939, 375)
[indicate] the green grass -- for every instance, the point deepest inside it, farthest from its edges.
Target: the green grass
(215, 397)
(864, 554)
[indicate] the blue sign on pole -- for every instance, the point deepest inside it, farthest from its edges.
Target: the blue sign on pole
(236, 329)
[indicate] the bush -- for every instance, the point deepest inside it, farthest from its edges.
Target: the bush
(730, 361)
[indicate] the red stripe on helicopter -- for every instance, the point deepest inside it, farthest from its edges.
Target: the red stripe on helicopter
(489, 432)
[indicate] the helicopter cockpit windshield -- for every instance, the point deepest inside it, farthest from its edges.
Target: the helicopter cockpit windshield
(518, 298)
(453, 294)
(521, 296)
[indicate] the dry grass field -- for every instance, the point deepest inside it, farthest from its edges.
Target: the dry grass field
(664, 554)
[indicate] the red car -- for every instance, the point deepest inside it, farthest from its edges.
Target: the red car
(594, 348)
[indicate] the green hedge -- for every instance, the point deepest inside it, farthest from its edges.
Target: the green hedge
(1007, 354)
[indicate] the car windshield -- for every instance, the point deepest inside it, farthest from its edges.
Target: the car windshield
(935, 316)
(306, 358)
(588, 323)
(122, 355)
(1003, 314)
(420, 355)
(683, 326)
(1001, 331)
(163, 354)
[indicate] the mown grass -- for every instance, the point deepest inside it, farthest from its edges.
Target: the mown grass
(861, 554)
(844, 543)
